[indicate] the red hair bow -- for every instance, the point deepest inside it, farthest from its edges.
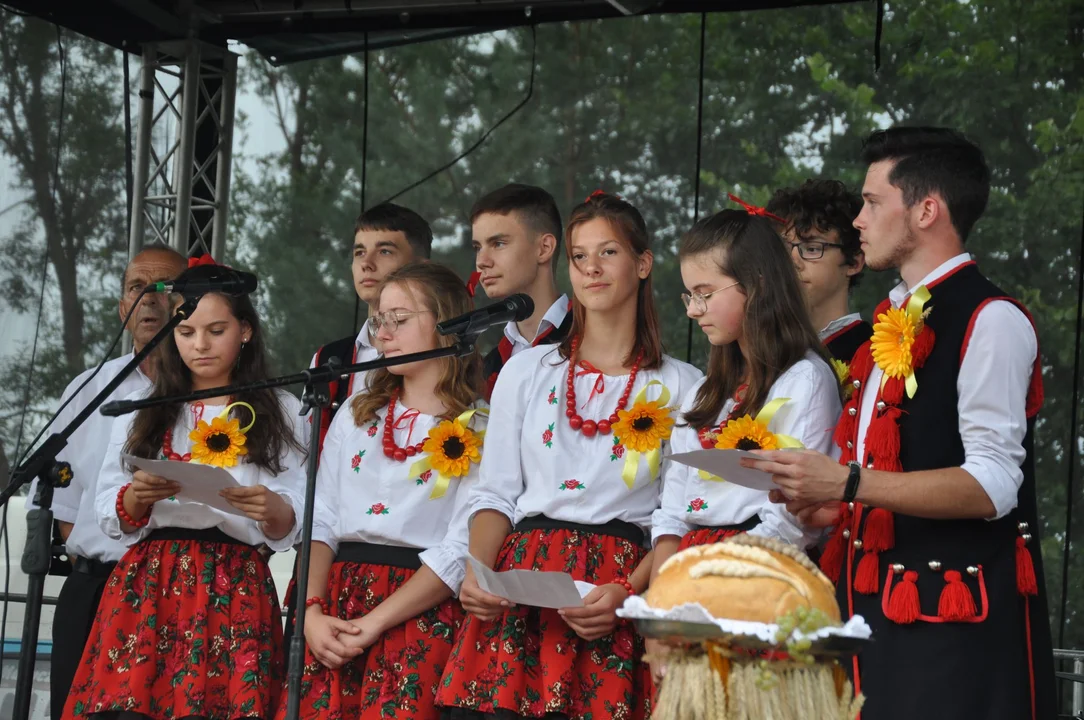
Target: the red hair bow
(754, 210)
(204, 259)
(472, 284)
(595, 194)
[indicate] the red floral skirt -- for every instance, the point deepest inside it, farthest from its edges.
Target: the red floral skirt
(706, 536)
(530, 662)
(397, 676)
(185, 628)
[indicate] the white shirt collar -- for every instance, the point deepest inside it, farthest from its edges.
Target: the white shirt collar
(554, 316)
(899, 293)
(838, 324)
(364, 339)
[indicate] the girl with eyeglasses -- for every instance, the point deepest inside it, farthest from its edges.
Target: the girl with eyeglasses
(568, 483)
(769, 382)
(390, 524)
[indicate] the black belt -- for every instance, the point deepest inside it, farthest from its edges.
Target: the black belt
(212, 535)
(373, 554)
(740, 527)
(94, 568)
(615, 528)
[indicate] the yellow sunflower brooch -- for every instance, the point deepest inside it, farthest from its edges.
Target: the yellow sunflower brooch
(218, 443)
(898, 344)
(745, 433)
(451, 447)
(644, 426)
(641, 429)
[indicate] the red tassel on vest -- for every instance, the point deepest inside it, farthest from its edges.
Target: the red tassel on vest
(880, 531)
(846, 430)
(903, 606)
(862, 362)
(835, 548)
(883, 440)
(892, 392)
(1025, 569)
(867, 579)
(921, 347)
(956, 602)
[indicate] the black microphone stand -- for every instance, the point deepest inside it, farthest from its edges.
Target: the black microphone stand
(37, 552)
(315, 397)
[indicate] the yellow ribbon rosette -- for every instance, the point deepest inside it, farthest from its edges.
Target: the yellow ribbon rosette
(641, 429)
(221, 441)
(746, 433)
(451, 447)
(893, 337)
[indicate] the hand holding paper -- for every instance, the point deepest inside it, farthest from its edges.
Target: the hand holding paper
(727, 465)
(531, 587)
(197, 483)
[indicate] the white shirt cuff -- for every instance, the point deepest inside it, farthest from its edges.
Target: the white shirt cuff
(999, 483)
(447, 563)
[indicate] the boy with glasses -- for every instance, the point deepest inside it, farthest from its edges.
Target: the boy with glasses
(828, 255)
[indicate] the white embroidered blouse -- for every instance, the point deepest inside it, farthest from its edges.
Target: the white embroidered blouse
(536, 464)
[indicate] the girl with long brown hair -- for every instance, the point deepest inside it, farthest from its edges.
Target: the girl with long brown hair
(569, 484)
(390, 525)
(189, 624)
(769, 382)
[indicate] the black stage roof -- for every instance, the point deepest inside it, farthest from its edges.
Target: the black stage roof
(287, 31)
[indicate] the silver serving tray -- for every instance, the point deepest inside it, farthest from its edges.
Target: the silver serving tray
(833, 646)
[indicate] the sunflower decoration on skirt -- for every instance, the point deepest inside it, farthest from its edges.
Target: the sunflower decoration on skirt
(451, 447)
(222, 441)
(642, 429)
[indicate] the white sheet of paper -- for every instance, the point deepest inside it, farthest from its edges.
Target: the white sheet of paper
(725, 464)
(531, 587)
(199, 483)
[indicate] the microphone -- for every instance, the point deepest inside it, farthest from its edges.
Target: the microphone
(513, 308)
(220, 280)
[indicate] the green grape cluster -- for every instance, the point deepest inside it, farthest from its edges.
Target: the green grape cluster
(766, 679)
(807, 621)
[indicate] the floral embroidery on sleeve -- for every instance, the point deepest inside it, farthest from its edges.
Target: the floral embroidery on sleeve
(572, 485)
(371, 431)
(424, 477)
(547, 435)
(552, 399)
(355, 462)
(377, 509)
(697, 505)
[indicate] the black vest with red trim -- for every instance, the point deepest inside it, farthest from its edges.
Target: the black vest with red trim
(498, 356)
(339, 390)
(957, 607)
(844, 343)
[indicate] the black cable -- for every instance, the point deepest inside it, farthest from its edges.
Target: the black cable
(1075, 403)
(37, 332)
(364, 159)
(696, 178)
(127, 145)
(485, 136)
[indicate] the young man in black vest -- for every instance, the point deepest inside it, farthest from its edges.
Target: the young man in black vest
(517, 238)
(386, 237)
(824, 243)
(936, 532)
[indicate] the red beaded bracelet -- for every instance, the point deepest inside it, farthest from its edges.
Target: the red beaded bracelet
(628, 587)
(317, 601)
(123, 514)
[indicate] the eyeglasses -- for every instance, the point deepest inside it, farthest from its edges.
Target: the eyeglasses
(701, 300)
(811, 249)
(392, 319)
